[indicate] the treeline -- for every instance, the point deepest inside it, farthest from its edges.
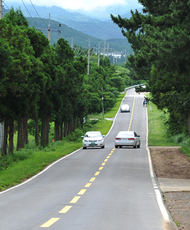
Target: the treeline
(160, 38)
(41, 83)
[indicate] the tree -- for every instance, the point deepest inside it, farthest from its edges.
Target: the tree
(5, 64)
(160, 40)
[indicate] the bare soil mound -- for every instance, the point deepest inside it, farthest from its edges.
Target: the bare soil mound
(170, 162)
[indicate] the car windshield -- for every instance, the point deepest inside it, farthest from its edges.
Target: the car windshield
(92, 135)
(125, 134)
(125, 106)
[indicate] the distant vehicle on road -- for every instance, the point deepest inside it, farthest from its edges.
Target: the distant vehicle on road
(127, 138)
(93, 139)
(125, 108)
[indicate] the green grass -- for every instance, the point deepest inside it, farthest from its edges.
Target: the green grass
(31, 160)
(114, 110)
(157, 135)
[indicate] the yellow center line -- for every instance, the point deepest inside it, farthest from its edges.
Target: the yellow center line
(75, 199)
(49, 222)
(82, 191)
(88, 185)
(108, 157)
(103, 163)
(92, 179)
(106, 160)
(101, 168)
(132, 113)
(66, 209)
(97, 173)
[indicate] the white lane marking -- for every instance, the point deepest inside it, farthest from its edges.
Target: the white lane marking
(49, 166)
(157, 191)
(44, 170)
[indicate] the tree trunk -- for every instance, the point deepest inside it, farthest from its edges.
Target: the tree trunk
(57, 131)
(61, 131)
(5, 134)
(20, 138)
(11, 137)
(188, 125)
(65, 128)
(25, 129)
(37, 132)
(45, 131)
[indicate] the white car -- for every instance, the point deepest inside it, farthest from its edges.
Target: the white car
(127, 138)
(125, 108)
(93, 139)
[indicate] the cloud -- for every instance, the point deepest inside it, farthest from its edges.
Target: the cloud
(90, 5)
(77, 4)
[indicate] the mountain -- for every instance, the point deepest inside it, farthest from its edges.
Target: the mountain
(78, 38)
(91, 26)
(76, 28)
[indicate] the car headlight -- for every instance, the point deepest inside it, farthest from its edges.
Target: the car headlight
(85, 140)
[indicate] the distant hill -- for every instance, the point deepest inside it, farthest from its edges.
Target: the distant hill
(78, 38)
(76, 28)
(91, 26)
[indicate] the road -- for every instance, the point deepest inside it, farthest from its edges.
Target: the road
(93, 188)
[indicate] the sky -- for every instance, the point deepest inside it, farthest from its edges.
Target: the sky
(85, 5)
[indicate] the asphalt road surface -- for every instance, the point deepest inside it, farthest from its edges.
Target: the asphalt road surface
(92, 189)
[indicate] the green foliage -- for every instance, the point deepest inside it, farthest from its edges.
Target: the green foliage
(49, 83)
(76, 135)
(160, 39)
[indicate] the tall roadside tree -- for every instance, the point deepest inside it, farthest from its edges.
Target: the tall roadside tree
(13, 29)
(5, 64)
(37, 79)
(160, 39)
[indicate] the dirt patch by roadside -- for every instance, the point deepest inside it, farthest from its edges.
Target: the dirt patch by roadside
(169, 162)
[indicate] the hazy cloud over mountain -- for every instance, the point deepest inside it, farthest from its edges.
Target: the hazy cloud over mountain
(93, 8)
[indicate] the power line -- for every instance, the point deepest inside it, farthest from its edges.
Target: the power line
(29, 13)
(37, 13)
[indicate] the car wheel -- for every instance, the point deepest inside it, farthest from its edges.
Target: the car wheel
(116, 146)
(120, 146)
(103, 147)
(84, 147)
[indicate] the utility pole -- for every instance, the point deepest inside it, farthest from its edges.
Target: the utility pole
(49, 29)
(72, 42)
(102, 103)
(113, 60)
(104, 48)
(88, 67)
(99, 53)
(1, 9)
(108, 50)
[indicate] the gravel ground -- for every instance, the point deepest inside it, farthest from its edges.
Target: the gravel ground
(169, 162)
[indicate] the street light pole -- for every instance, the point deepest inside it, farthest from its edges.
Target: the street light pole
(102, 104)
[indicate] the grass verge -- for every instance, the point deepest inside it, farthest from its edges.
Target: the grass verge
(157, 130)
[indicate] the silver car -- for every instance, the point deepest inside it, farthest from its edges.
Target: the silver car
(125, 108)
(93, 139)
(127, 138)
